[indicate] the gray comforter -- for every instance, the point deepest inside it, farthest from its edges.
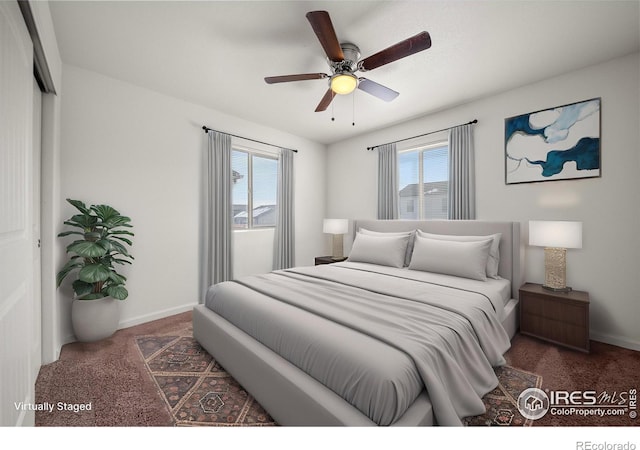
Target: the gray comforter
(376, 337)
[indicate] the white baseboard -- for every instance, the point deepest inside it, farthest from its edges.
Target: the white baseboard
(134, 321)
(155, 315)
(618, 341)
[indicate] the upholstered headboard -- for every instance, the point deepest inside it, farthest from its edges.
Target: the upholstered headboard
(511, 247)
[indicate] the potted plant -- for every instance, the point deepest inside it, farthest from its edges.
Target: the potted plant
(102, 244)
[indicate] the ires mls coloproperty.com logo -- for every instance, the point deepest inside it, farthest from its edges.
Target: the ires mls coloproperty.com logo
(534, 403)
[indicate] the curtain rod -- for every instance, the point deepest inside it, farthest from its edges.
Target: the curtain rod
(425, 134)
(206, 130)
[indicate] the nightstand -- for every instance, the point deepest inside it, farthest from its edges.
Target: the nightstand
(558, 317)
(328, 260)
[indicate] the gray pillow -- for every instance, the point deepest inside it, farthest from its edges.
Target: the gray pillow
(493, 261)
(411, 234)
(382, 250)
(458, 258)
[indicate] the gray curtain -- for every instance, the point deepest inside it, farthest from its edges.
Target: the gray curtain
(284, 241)
(218, 243)
(387, 182)
(462, 182)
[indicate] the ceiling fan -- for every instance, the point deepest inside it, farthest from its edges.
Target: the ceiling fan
(344, 62)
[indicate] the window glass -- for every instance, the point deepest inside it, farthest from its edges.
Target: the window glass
(254, 190)
(423, 182)
(265, 176)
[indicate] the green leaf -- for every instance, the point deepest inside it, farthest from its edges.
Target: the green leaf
(86, 222)
(93, 273)
(82, 288)
(80, 206)
(105, 212)
(119, 248)
(92, 236)
(118, 292)
(117, 278)
(73, 263)
(68, 233)
(93, 296)
(121, 232)
(121, 261)
(87, 249)
(106, 244)
(117, 221)
(123, 239)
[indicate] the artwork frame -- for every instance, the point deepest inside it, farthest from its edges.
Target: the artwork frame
(559, 143)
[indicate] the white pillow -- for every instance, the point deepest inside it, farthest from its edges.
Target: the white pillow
(458, 258)
(494, 251)
(382, 250)
(411, 234)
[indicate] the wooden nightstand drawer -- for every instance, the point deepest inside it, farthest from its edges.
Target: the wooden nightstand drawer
(555, 331)
(561, 318)
(556, 309)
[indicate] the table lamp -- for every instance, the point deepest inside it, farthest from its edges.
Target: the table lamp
(336, 227)
(556, 237)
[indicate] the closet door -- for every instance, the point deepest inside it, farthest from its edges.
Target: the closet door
(17, 365)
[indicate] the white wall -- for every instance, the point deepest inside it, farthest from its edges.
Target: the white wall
(143, 153)
(608, 265)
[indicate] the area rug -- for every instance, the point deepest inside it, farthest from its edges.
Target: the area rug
(502, 403)
(199, 392)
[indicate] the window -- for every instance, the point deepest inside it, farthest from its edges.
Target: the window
(423, 182)
(254, 189)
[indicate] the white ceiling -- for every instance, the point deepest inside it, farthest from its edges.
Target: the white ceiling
(217, 53)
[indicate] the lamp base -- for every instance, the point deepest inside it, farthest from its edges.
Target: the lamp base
(555, 265)
(555, 289)
(338, 247)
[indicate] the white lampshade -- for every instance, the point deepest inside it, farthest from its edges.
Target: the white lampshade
(335, 226)
(558, 234)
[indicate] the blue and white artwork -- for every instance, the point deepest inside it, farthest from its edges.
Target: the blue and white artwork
(554, 144)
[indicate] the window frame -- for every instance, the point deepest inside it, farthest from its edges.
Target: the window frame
(251, 153)
(432, 144)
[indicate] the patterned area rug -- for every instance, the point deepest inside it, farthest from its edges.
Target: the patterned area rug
(502, 402)
(199, 392)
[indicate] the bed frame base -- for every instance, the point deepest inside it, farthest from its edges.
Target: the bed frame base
(291, 397)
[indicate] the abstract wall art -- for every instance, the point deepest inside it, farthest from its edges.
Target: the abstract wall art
(560, 143)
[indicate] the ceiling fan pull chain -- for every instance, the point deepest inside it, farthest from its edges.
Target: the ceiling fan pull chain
(353, 111)
(333, 118)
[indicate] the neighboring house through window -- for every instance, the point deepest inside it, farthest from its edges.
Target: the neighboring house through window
(254, 188)
(423, 181)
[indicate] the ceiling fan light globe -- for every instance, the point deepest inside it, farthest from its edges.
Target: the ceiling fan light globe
(344, 83)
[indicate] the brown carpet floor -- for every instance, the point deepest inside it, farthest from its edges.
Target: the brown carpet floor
(112, 377)
(606, 368)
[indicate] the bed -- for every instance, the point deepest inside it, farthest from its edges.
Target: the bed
(368, 342)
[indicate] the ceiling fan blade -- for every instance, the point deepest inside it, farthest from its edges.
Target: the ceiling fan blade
(297, 77)
(321, 24)
(326, 100)
(377, 90)
(414, 44)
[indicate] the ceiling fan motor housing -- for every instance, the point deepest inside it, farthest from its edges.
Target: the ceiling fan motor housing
(350, 62)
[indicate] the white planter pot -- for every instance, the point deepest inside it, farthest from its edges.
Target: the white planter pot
(93, 320)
